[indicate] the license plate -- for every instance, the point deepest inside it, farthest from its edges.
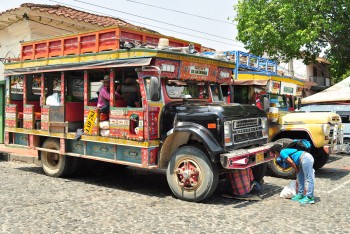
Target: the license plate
(90, 121)
(259, 157)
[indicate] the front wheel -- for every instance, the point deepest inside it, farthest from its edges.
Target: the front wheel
(320, 157)
(54, 164)
(279, 167)
(190, 174)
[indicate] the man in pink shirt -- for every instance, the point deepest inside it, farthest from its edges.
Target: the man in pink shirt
(103, 97)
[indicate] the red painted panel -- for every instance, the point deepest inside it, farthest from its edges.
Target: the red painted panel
(170, 68)
(41, 50)
(107, 41)
(152, 40)
(153, 116)
(70, 46)
(198, 71)
(128, 36)
(27, 52)
(88, 44)
(55, 48)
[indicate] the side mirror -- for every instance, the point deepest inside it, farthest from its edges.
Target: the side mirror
(154, 89)
(266, 103)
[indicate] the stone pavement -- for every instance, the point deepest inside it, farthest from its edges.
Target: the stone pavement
(111, 199)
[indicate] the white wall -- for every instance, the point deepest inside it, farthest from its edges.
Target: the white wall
(10, 38)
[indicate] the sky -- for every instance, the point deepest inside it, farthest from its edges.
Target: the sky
(207, 22)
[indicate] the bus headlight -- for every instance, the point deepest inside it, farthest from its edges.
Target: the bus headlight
(264, 127)
(228, 133)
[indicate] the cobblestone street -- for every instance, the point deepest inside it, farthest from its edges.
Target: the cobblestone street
(116, 200)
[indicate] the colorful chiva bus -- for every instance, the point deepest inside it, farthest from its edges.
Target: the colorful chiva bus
(161, 112)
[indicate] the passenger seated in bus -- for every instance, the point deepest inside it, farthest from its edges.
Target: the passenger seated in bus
(103, 97)
(119, 100)
(131, 92)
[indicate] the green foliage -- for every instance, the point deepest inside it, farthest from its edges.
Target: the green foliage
(283, 28)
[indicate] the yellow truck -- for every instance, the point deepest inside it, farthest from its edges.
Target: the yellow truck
(257, 82)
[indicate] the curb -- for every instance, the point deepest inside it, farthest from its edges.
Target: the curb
(19, 158)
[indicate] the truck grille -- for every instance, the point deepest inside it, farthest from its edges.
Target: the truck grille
(246, 129)
(245, 123)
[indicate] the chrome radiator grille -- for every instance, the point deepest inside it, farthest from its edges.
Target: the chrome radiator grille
(246, 129)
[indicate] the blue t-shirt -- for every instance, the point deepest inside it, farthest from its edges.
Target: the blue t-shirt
(292, 153)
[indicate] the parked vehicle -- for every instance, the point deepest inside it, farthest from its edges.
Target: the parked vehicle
(176, 127)
(257, 82)
(343, 110)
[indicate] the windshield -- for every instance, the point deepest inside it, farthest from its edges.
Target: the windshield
(278, 100)
(187, 89)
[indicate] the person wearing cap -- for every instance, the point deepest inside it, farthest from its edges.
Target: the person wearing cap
(104, 95)
(302, 162)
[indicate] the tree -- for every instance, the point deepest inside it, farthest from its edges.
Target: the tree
(286, 29)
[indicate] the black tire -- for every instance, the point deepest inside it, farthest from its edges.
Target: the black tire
(202, 175)
(259, 171)
(320, 157)
(279, 168)
(56, 165)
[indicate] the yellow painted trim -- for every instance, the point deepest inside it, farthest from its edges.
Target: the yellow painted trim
(98, 139)
(252, 76)
(288, 80)
(116, 55)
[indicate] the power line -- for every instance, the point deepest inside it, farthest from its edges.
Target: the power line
(181, 12)
(123, 12)
(101, 13)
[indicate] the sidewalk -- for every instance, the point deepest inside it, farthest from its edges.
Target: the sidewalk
(18, 154)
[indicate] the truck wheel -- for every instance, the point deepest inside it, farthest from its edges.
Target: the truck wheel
(190, 174)
(280, 168)
(320, 157)
(259, 171)
(54, 164)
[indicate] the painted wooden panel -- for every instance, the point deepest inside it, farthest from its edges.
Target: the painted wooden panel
(129, 154)
(11, 116)
(101, 150)
(28, 116)
(75, 146)
(153, 117)
(198, 71)
(95, 128)
(45, 118)
(127, 123)
(149, 156)
(21, 139)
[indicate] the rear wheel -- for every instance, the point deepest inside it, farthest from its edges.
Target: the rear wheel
(280, 168)
(320, 157)
(190, 174)
(55, 164)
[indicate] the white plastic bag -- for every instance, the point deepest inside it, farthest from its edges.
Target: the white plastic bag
(53, 100)
(289, 191)
(104, 125)
(104, 132)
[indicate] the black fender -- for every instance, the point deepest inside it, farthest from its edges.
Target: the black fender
(203, 134)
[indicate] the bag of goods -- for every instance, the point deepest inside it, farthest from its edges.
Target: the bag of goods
(104, 132)
(104, 125)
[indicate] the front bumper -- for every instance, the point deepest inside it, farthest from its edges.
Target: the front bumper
(245, 158)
